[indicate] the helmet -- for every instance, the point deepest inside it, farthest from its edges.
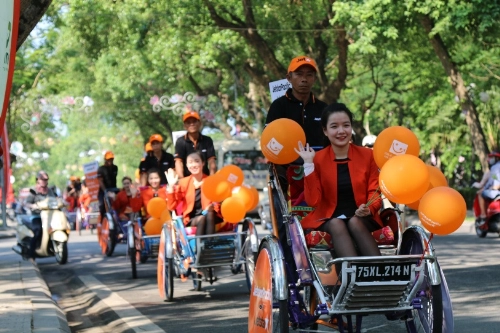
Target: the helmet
(369, 140)
(494, 154)
(109, 155)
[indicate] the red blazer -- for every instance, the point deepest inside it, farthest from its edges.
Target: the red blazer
(320, 187)
(184, 193)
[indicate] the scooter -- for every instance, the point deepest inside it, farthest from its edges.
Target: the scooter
(54, 231)
(492, 223)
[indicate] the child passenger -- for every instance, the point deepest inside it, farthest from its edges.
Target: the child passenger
(339, 181)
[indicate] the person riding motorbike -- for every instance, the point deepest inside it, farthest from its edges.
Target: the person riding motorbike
(492, 187)
(42, 191)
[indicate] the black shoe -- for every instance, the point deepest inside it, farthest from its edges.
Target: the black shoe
(480, 221)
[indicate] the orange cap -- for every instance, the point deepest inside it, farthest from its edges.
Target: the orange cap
(190, 114)
(148, 147)
(155, 137)
(109, 155)
(301, 61)
(72, 178)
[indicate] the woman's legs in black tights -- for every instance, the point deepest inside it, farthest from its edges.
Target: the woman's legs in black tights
(200, 223)
(205, 224)
(342, 241)
(361, 231)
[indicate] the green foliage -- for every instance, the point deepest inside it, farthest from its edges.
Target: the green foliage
(123, 53)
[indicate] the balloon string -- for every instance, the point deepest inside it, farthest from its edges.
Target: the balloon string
(377, 194)
(427, 243)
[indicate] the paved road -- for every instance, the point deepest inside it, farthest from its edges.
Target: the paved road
(99, 295)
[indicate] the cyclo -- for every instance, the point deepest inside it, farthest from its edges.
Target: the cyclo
(181, 253)
(405, 283)
(112, 231)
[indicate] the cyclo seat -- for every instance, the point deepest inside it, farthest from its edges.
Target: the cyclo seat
(320, 239)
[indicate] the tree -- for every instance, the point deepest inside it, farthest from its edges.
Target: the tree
(452, 29)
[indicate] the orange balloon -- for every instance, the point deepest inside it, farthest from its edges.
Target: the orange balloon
(233, 210)
(436, 179)
(404, 179)
(245, 194)
(394, 141)
(156, 206)
(279, 140)
(165, 216)
(215, 188)
(256, 198)
(442, 210)
(153, 226)
(232, 174)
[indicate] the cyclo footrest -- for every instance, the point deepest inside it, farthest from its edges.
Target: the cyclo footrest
(377, 284)
(217, 251)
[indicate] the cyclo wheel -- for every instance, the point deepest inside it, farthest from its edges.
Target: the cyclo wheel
(429, 318)
(279, 322)
(197, 277)
(133, 262)
(103, 235)
(165, 269)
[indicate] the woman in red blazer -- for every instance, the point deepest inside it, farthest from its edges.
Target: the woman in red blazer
(339, 180)
(197, 210)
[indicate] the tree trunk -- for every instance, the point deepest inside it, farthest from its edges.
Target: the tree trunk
(467, 105)
(31, 13)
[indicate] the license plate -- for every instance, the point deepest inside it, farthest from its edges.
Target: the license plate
(383, 272)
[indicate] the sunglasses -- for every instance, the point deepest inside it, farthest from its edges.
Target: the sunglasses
(44, 179)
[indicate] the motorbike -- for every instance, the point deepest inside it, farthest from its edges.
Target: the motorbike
(53, 226)
(492, 222)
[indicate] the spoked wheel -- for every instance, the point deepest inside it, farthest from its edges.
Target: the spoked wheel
(265, 304)
(165, 270)
(250, 260)
(133, 261)
(428, 317)
(108, 239)
(197, 277)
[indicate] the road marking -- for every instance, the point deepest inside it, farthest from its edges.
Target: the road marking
(127, 313)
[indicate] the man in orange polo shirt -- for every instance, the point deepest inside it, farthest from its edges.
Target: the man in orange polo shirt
(191, 142)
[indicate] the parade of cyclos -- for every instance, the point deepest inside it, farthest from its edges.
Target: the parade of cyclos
(45, 231)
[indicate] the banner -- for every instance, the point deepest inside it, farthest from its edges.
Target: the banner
(278, 88)
(90, 171)
(9, 21)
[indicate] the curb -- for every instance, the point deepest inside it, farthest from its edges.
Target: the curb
(47, 316)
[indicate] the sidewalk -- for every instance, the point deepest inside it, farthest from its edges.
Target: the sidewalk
(25, 300)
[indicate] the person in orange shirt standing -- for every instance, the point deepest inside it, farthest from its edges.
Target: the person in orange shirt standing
(197, 210)
(340, 180)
